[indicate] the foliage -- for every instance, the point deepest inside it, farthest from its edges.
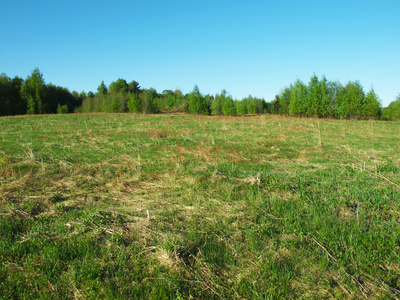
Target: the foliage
(58, 96)
(276, 105)
(351, 100)
(134, 87)
(62, 109)
(33, 91)
(34, 96)
(102, 88)
(148, 100)
(119, 86)
(241, 108)
(372, 106)
(284, 103)
(135, 103)
(216, 105)
(392, 112)
(251, 109)
(11, 102)
(259, 105)
(321, 98)
(197, 103)
(228, 107)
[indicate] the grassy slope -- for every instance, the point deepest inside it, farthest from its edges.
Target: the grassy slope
(177, 206)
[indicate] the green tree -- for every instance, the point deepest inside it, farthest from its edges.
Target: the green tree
(168, 98)
(313, 105)
(62, 109)
(79, 98)
(171, 100)
(133, 87)
(251, 109)
(259, 105)
(105, 102)
(52, 97)
(197, 103)
(113, 105)
(284, 99)
(267, 107)
(372, 106)
(298, 99)
(118, 86)
(167, 92)
(240, 108)
(18, 104)
(92, 103)
(4, 94)
(57, 95)
(392, 112)
(209, 99)
(11, 102)
(351, 100)
(325, 109)
(135, 103)
(179, 102)
(148, 100)
(33, 91)
(216, 104)
(276, 105)
(102, 88)
(334, 90)
(228, 106)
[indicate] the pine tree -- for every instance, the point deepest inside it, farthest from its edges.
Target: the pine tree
(240, 108)
(251, 109)
(276, 105)
(372, 106)
(298, 99)
(350, 100)
(284, 102)
(325, 109)
(197, 103)
(314, 97)
(228, 107)
(216, 106)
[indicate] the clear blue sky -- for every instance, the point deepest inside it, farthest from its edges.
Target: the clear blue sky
(245, 47)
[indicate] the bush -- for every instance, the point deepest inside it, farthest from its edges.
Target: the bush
(62, 109)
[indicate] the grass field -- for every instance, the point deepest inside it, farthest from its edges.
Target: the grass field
(120, 206)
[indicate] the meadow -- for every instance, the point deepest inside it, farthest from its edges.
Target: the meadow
(176, 206)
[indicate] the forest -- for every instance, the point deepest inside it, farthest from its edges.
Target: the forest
(317, 98)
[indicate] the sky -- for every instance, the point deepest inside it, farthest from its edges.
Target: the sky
(246, 47)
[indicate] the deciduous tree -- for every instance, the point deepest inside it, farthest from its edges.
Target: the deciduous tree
(118, 86)
(102, 88)
(33, 91)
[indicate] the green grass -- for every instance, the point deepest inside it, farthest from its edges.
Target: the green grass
(121, 206)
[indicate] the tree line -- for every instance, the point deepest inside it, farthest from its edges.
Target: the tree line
(319, 98)
(323, 98)
(122, 96)
(34, 96)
